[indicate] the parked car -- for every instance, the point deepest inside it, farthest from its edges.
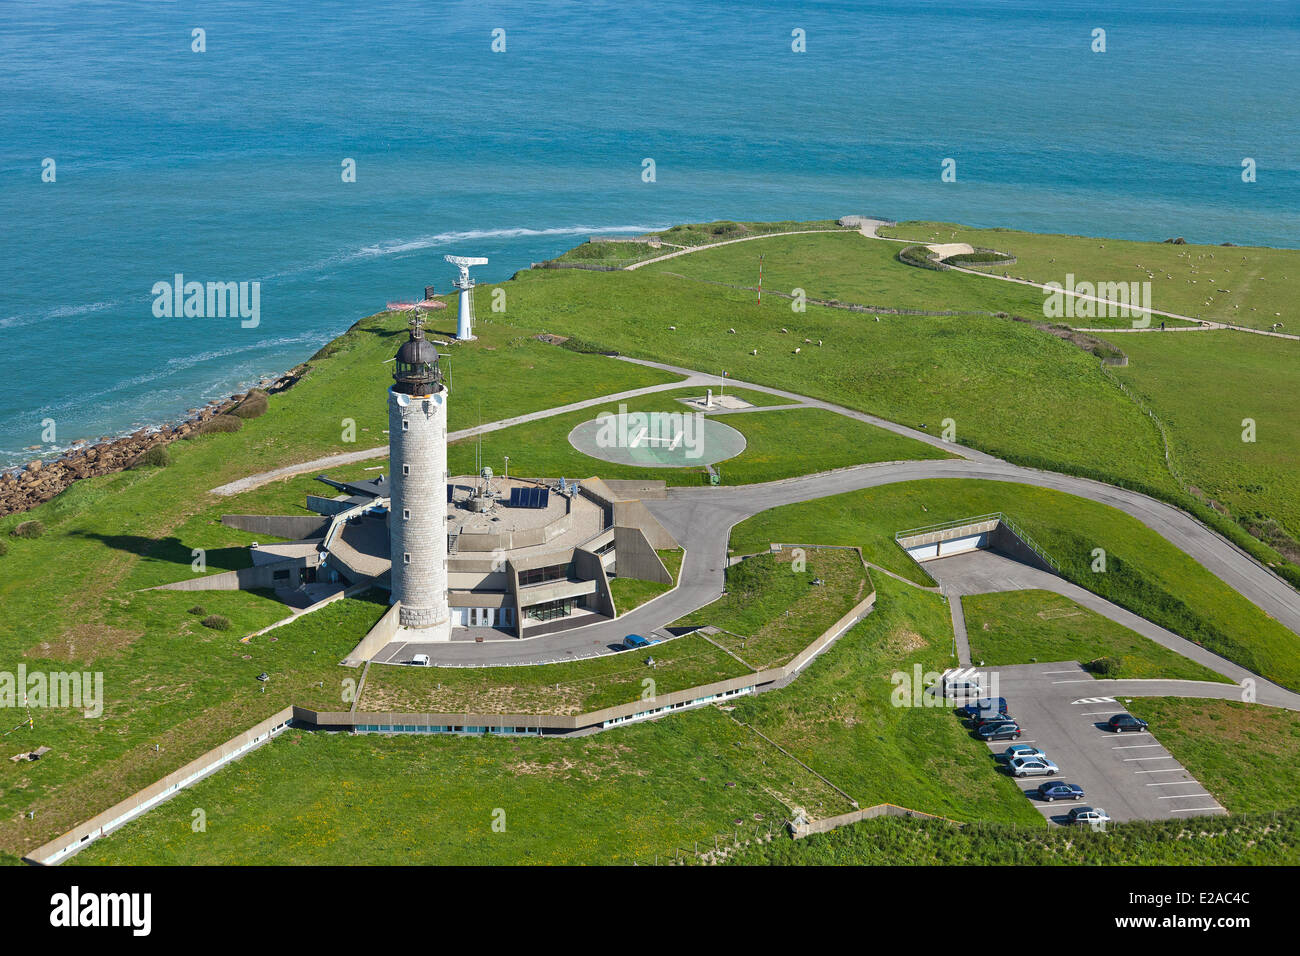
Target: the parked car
(1122, 722)
(1060, 791)
(963, 688)
(420, 660)
(985, 705)
(633, 641)
(1006, 730)
(1000, 718)
(1021, 750)
(1088, 816)
(1033, 767)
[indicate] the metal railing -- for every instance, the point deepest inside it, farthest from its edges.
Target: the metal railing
(998, 516)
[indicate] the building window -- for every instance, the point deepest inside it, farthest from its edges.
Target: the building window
(406, 558)
(556, 572)
(551, 610)
(406, 469)
(406, 425)
(406, 514)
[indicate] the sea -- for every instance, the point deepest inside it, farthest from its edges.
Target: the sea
(216, 140)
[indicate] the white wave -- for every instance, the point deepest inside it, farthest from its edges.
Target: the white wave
(397, 246)
(63, 312)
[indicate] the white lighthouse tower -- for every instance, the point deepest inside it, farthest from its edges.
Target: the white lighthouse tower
(465, 316)
(417, 522)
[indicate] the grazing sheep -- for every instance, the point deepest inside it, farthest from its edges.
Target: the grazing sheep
(785, 331)
(672, 328)
(797, 351)
(731, 331)
(753, 352)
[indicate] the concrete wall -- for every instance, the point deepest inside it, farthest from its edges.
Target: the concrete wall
(634, 514)
(278, 526)
(261, 576)
(1004, 541)
(378, 637)
(588, 565)
(634, 558)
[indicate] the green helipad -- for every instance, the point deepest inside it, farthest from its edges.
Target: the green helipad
(657, 439)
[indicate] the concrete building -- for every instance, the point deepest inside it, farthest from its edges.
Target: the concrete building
(467, 558)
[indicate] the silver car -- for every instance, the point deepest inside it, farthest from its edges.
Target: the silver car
(1032, 767)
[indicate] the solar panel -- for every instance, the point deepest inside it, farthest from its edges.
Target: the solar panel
(543, 497)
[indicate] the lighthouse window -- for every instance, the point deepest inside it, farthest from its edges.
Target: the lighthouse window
(406, 558)
(406, 469)
(406, 425)
(406, 514)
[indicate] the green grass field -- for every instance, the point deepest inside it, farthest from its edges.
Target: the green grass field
(542, 448)
(1018, 627)
(839, 718)
(1203, 387)
(573, 687)
(916, 371)
(631, 593)
(1145, 573)
(1247, 755)
(771, 610)
(1259, 840)
(627, 795)
(1243, 285)
(644, 789)
(850, 268)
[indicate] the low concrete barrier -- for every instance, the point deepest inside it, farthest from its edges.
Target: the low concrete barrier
(133, 806)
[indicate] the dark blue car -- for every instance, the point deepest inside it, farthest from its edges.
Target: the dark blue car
(1060, 791)
(985, 705)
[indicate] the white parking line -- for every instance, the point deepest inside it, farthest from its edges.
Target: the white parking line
(1184, 796)
(1170, 770)
(1196, 809)
(1173, 783)
(1158, 757)
(1135, 747)
(1071, 671)
(1096, 713)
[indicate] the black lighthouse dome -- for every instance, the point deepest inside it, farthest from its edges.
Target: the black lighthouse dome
(417, 371)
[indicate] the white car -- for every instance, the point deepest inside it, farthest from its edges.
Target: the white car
(1032, 767)
(420, 660)
(1089, 816)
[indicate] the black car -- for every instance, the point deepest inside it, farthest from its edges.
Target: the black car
(990, 718)
(986, 705)
(1122, 722)
(1004, 730)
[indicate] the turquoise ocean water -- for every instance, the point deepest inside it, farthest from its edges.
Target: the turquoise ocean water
(225, 165)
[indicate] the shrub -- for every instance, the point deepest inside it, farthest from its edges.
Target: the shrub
(156, 456)
(1105, 666)
(198, 609)
(28, 529)
(253, 405)
(221, 423)
(218, 622)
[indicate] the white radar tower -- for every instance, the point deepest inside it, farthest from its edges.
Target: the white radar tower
(465, 320)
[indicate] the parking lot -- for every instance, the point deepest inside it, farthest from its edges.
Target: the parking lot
(1129, 775)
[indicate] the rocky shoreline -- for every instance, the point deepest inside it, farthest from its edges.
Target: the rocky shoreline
(38, 481)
